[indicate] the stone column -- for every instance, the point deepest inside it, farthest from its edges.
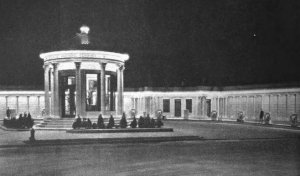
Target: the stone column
(196, 107)
(217, 105)
(254, 115)
(225, 106)
(286, 105)
(46, 86)
(51, 111)
(6, 102)
(269, 103)
(262, 103)
(203, 106)
(120, 89)
(56, 82)
(246, 113)
(28, 104)
(54, 91)
(78, 89)
(295, 107)
(17, 102)
(103, 91)
(39, 105)
(277, 106)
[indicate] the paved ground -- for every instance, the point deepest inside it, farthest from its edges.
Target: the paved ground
(240, 150)
(215, 130)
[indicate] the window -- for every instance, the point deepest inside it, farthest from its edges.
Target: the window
(189, 105)
(166, 105)
(92, 92)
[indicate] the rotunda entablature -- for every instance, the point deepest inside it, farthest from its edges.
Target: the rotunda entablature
(84, 56)
(86, 66)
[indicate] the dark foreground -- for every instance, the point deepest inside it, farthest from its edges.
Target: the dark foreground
(255, 154)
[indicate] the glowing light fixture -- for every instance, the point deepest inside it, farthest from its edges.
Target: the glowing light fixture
(84, 29)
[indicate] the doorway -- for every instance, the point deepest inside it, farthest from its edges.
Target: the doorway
(208, 107)
(69, 99)
(68, 96)
(177, 107)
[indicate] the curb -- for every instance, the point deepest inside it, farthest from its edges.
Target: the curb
(239, 123)
(105, 141)
(13, 129)
(85, 141)
(125, 130)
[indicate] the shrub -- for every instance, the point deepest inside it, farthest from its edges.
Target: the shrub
(159, 123)
(89, 124)
(152, 123)
(100, 122)
(28, 121)
(133, 123)
(94, 126)
(147, 121)
(141, 122)
(5, 122)
(123, 122)
(111, 122)
(240, 117)
(18, 123)
(77, 123)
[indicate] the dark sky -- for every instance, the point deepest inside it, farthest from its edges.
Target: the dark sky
(170, 42)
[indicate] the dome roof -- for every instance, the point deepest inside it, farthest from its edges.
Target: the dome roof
(85, 41)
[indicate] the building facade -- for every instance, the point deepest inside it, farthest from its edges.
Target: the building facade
(279, 100)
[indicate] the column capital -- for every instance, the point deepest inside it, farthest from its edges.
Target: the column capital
(78, 65)
(46, 66)
(102, 65)
(54, 65)
(121, 67)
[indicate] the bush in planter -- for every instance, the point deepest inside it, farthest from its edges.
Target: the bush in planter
(111, 122)
(267, 118)
(28, 121)
(241, 117)
(152, 123)
(77, 123)
(100, 122)
(94, 126)
(214, 115)
(7, 123)
(88, 124)
(147, 121)
(21, 119)
(133, 123)
(123, 122)
(141, 122)
(294, 120)
(15, 123)
(159, 123)
(84, 123)
(12, 123)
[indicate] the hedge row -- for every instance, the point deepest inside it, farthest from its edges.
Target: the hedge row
(142, 123)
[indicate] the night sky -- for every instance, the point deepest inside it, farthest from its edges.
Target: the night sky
(171, 43)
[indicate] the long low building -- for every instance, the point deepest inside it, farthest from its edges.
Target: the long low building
(280, 100)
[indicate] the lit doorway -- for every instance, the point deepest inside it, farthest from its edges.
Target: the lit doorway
(68, 96)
